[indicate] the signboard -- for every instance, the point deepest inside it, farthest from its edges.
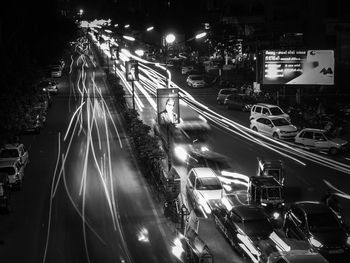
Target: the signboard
(132, 70)
(168, 106)
(298, 67)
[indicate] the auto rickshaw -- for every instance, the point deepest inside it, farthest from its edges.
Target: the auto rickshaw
(4, 191)
(274, 168)
(267, 192)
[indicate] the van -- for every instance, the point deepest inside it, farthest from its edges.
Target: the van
(263, 110)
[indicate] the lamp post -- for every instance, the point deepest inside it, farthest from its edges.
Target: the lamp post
(169, 39)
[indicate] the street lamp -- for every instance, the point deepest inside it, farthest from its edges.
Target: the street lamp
(169, 39)
(150, 28)
(127, 26)
(129, 38)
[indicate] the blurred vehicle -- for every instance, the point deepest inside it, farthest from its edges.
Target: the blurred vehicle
(217, 162)
(49, 85)
(296, 256)
(4, 191)
(273, 126)
(274, 168)
(263, 110)
(15, 151)
(320, 140)
(186, 69)
(196, 81)
(14, 170)
(248, 230)
(241, 102)
(224, 93)
(316, 223)
(203, 185)
(56, 71)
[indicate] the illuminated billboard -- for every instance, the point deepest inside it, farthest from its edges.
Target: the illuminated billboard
(168, 106)
(298, 67)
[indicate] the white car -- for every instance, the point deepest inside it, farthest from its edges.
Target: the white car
(202, 186)
(14, 171)
(320, 140)
(15, 151)
(195, 81)
(263, 109)
(276, 127)
(186, 69)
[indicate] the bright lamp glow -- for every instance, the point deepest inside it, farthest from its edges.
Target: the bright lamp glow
(170, 38)
(201, 35)
(139, 52)
(150, 28)
(129, 38)
(315, 242)
(127, 26)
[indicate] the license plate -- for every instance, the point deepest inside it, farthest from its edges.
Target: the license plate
(336, 251)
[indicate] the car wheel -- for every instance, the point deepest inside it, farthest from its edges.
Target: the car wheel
(275, 135)
(255, 129)
(333, 151)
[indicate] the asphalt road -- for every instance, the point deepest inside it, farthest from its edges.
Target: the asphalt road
(83, 198)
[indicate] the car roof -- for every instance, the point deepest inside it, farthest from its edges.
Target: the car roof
(248, 212)
(312, 207)
(202, 172)
(12, 146)
(267, 105)
(313, 130)
(228, 89)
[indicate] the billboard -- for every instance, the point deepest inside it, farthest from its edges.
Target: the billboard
(168, 108)
(298, 67)
(132, 70)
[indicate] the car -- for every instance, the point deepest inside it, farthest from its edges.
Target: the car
(273, 126)
(296, 256)
(15, 151)
(203, 185)
(186, 69)
(55, 71)
(241, 102)
(49, 85)
(224, 93)
(321, 140)
(263, 109)
(196, 81)
(248, 230)
(316, 223)
(14, 171)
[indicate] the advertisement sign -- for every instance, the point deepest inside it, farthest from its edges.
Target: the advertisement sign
(298, 67)
(168, 108)
(132, 70)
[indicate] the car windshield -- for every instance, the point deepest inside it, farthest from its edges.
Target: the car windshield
(257, 227)
(323, 222)
(276, 111)
(197, 78)
(9, 153)
(7, 170)
(280, 122)
(208, 183)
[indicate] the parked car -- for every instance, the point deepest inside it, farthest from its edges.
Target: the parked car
(49, 85)
(296, 256)
(202, 186)
(316, 223)
(224, 93)
(241, 102)
(186, 69)
(56, 71)
(320, 140)
(263, 109)
(14, 171)
(196, 81)
(273, 126)
(15, 151)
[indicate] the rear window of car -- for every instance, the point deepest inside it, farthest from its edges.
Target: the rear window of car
(7, 170)
(9, 153)
(208, 183)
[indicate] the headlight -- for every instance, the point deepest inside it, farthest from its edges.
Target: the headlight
(180, 153)
(204, 148)
(315, 242)
(276, 215)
